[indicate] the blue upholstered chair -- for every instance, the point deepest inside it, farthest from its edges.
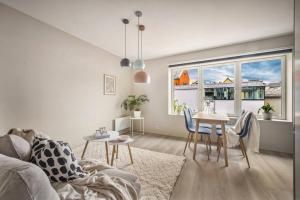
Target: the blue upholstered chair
(190, 127)
(244, 132)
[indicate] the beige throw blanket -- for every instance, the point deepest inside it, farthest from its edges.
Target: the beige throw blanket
(96, 185)
(253, 137)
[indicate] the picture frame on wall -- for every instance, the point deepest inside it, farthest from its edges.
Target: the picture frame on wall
(109, 84)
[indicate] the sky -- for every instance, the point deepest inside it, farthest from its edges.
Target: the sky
(218, 73)
(268, 71)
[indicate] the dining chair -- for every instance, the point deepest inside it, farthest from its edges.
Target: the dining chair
(190, 127)
(244, 132)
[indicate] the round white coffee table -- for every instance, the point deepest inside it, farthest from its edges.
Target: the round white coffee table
(113, 135)
(122, 140)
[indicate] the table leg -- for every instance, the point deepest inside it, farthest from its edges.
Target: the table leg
(143, 127)
(129, 150)
(131, 125)
(224, 144)
(196, 138)
(86, 144)
(112, 155)
(140, 125)
(106, 151)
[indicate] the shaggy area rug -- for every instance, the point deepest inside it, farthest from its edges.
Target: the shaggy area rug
(157, 172)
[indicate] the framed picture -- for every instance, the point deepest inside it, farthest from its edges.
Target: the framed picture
(109, 84)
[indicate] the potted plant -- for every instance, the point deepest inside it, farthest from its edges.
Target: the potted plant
(267, 111)
(177, 107)
(134, 103)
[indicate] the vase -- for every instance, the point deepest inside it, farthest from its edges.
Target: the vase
(137, 114)
(267, 116)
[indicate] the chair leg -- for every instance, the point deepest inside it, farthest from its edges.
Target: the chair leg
(219, 147)
(206, 144)
(209, 139)
(245, 152)
(187, 141)
(117, 152)
(242, 149)
(191, 139)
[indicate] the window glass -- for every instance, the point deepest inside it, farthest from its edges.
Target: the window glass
(185, 86)
(219, 86)
(261, 83)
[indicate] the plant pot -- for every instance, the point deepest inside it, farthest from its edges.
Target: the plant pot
(137, 114)
(267, 116)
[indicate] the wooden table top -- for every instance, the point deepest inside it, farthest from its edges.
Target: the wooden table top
(211, 117)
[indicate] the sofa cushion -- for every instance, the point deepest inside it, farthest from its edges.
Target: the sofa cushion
(23, 180)
(27, 134)
(15, 146)
(56, 159)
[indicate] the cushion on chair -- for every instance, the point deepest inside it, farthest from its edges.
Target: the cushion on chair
(15, 146)
(202, 130)
(23, 180)
(56, 159)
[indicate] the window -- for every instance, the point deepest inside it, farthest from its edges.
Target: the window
(185, 89)
(219, 85)
(234, 85)
(261, 83)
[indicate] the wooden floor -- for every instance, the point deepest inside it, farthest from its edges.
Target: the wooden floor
(270, 176)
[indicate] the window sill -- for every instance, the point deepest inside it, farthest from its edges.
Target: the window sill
(234, 118)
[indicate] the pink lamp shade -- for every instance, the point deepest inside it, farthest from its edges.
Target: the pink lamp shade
(141, 77)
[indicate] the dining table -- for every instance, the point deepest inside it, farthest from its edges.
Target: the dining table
(213, 119)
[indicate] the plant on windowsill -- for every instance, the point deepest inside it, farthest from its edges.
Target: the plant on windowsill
(134, 103)
(267, 111)
(177, 107)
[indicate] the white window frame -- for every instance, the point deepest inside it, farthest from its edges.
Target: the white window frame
(238, 81)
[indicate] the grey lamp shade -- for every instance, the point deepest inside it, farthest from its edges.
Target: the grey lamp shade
(125, 62)
(141, 77)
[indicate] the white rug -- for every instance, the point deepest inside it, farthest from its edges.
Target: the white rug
(157, 172)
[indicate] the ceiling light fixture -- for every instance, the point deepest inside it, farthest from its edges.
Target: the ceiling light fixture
(125, 62)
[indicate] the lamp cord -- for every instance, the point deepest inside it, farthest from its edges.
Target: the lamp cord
(125, 41)
(141, 45)
(138, 37)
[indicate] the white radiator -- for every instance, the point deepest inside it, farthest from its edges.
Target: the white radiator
(122, 124)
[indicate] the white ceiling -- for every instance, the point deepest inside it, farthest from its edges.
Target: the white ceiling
(172, 26)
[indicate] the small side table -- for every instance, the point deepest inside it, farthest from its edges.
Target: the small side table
(113, 135)
(123, 140)
(142, 123)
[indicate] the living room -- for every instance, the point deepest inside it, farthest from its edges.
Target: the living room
(149, 100)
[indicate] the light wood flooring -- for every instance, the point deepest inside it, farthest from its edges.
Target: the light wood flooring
(270, 175)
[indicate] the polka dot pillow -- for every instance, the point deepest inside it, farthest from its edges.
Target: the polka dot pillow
(56, 159)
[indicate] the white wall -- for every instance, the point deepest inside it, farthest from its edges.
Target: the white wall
(52, 81)
(156, 115)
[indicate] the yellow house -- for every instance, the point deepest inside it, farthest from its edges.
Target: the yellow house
(227, 80)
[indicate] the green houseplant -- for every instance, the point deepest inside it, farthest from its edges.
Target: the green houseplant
(177, 107)
(134, 103)
(267, 111)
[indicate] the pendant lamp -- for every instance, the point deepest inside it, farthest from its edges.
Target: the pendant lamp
(141, 77)
(125, 62)
(139, 63)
